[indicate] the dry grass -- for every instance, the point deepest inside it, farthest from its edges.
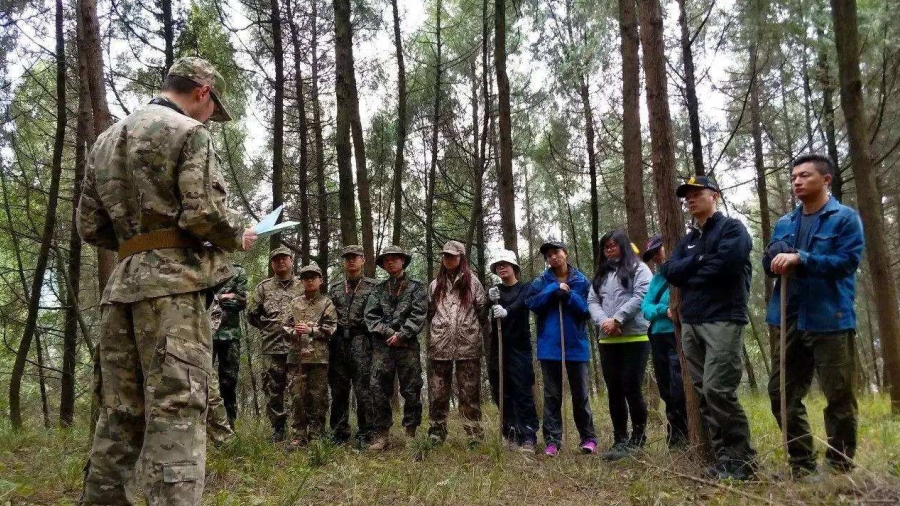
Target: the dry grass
(43, 467)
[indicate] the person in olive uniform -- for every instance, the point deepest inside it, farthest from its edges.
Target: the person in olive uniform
(231, 299)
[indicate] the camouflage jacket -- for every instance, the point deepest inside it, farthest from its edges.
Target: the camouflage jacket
(269, 311)
(230, 326)
(157, 169)
(397, 306)
(351, 304)
(319, 313)
(457, 333)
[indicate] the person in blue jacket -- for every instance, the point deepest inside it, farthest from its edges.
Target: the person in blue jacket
(817, 248)
(563, 286)
(666, 365)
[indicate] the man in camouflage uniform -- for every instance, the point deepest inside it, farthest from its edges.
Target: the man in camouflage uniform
(350, 354)
(269, 310)
(314, 320)
(395, 313)
(232, 299)
(154, 192)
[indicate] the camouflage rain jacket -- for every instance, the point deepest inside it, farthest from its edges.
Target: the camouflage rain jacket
(457, 333)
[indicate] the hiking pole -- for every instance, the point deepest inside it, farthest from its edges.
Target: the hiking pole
(500, 363)
(782, 357)
(562, 383)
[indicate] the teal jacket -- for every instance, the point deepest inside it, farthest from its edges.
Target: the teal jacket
(655, 304)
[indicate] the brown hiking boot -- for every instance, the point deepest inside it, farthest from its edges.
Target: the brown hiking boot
(381, 441)
(411, 432)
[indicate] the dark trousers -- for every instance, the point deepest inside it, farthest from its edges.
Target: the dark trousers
(831, 356)
(227, 357)
(520, 422)
(667, 369)
(624, 367)
(577, 373)
(404, 364)
(350, 365)
(713, 353)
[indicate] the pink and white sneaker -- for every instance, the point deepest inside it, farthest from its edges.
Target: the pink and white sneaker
(589, 447)
(551, 450)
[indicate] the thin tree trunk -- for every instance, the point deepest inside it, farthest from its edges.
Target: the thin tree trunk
(584, 93)
(762, 190)
(277, 115)
(303, 130)
(762, 350)
(690, 88)
(837, 184)
(15, 381)
(506, 185)
(343, 65)
(401, 130)
(751, 372)
(320, 150)
(42, 378)
(168, 29)
(635, 207)
(362, 174)
(868, 198)
(663, 156)
(432, 170)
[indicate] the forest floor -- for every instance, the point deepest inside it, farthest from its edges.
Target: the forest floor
(43, 466)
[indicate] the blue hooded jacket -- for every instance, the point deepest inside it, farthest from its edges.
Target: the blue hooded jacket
(826, 277)
(543, 298)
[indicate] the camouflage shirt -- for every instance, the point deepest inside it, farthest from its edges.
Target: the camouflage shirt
(397, 306)
(457, 332)
(320, 315)
(157, 169)
(350, 301)
(269, 311)
(230, 326)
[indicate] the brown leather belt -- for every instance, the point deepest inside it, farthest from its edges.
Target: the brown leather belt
(158, 239)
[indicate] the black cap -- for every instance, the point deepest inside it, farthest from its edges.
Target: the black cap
(553, 244)
(653, 245)
(697, 182)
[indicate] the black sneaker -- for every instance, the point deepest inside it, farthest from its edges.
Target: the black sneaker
(278, 436)
(738, 471)
(618, 451)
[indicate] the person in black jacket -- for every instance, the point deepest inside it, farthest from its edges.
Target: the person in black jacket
(711, 266)
(520, 422)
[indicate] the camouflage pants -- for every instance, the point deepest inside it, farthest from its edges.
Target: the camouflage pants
(275, 384)
(309, 400)
(468, 391)
(155, 360)
(218, 427)
(350, 363)
(227, 357)
(405, 364)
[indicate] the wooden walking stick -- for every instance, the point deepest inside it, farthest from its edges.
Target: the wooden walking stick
(782, 358)
(500, 363)
(564, 377)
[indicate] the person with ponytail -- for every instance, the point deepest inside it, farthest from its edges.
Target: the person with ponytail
(614, 301)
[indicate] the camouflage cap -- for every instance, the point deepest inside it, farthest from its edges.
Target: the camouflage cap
(312, 268)
(353, 249)
(393, 250)
(203, 72)
(282, 250)
(454, 248)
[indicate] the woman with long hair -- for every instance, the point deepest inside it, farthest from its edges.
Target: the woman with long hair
(618, 288)
(458, 315)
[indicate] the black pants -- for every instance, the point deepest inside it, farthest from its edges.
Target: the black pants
(577, 373)
(520, 420)
(667, 369)
(624, 366)
(227, 355)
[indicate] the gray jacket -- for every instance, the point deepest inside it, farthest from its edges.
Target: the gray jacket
(620, 303)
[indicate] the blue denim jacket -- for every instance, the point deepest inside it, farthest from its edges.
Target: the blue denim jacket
(827, 270)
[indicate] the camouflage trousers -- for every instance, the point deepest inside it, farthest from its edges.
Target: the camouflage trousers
(309, 400)
(468, 391)
(227, 358)
(155, 360)
(218, 426)
(350, 364)
(405, 364)
(275, 385)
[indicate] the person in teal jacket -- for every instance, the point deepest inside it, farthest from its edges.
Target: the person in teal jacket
(666, 366)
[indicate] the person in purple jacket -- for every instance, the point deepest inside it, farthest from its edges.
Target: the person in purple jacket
(562, 285)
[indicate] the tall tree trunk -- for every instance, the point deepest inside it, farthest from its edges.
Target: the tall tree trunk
(324, 229)
(762, 190)
(506, 186)
(277, 115)
(168, 33)
(362, 174)
(837, 184)
(868, 199)
(42, 378)
(15, 380)
(588, 114)
(432, 170)
(663, 157)
(635, 208)
(690, 89)
(303, 129)
(399, 164)
(751, 372)
(343, 64)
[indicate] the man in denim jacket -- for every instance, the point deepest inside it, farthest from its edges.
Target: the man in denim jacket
(818, 247)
